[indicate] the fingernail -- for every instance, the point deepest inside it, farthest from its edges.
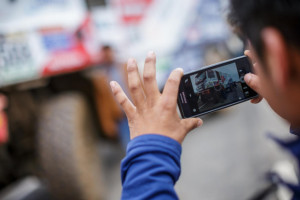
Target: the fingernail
(131, 61)
(113, 85)
(200, 122)
(248, 78)
(151, 53)
(179, 69)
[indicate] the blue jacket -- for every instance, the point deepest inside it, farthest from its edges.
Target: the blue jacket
(152, 167)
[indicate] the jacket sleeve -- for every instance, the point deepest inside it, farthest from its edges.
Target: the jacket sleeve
(151, 168)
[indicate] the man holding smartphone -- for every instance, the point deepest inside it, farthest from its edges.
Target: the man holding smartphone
(152, 164)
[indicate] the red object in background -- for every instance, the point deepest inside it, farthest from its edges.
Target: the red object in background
(67, 61)
(3, 128)
(3, 120)
(74, 55)
(133, 11)
(222, 78)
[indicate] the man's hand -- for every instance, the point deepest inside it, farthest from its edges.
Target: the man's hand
(152, 112)
(253, 80)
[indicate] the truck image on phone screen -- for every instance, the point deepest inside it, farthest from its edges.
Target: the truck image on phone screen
(212, 84)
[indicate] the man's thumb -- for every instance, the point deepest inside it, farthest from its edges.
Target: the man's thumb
(252, 81)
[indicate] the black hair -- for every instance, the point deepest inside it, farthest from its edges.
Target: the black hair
(250, 17)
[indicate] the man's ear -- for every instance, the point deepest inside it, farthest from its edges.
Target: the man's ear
(276, 57)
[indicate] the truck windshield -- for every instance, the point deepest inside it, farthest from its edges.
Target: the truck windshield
(210, 74)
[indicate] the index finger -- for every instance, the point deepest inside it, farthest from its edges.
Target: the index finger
(170, 93)
(250, 55)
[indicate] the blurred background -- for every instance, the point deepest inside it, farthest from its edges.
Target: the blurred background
(62, 135)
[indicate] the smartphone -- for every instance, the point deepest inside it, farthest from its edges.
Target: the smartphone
(215, 87)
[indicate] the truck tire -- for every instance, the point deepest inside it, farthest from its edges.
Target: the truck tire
(67, 149)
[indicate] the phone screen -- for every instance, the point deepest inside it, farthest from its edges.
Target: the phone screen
(214, 87)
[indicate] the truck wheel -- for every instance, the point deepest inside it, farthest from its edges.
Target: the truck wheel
(67, 148)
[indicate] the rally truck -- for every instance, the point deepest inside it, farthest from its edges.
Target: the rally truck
(213, 84)
(49, 125)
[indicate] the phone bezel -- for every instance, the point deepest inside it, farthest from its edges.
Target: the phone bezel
(221, 107)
